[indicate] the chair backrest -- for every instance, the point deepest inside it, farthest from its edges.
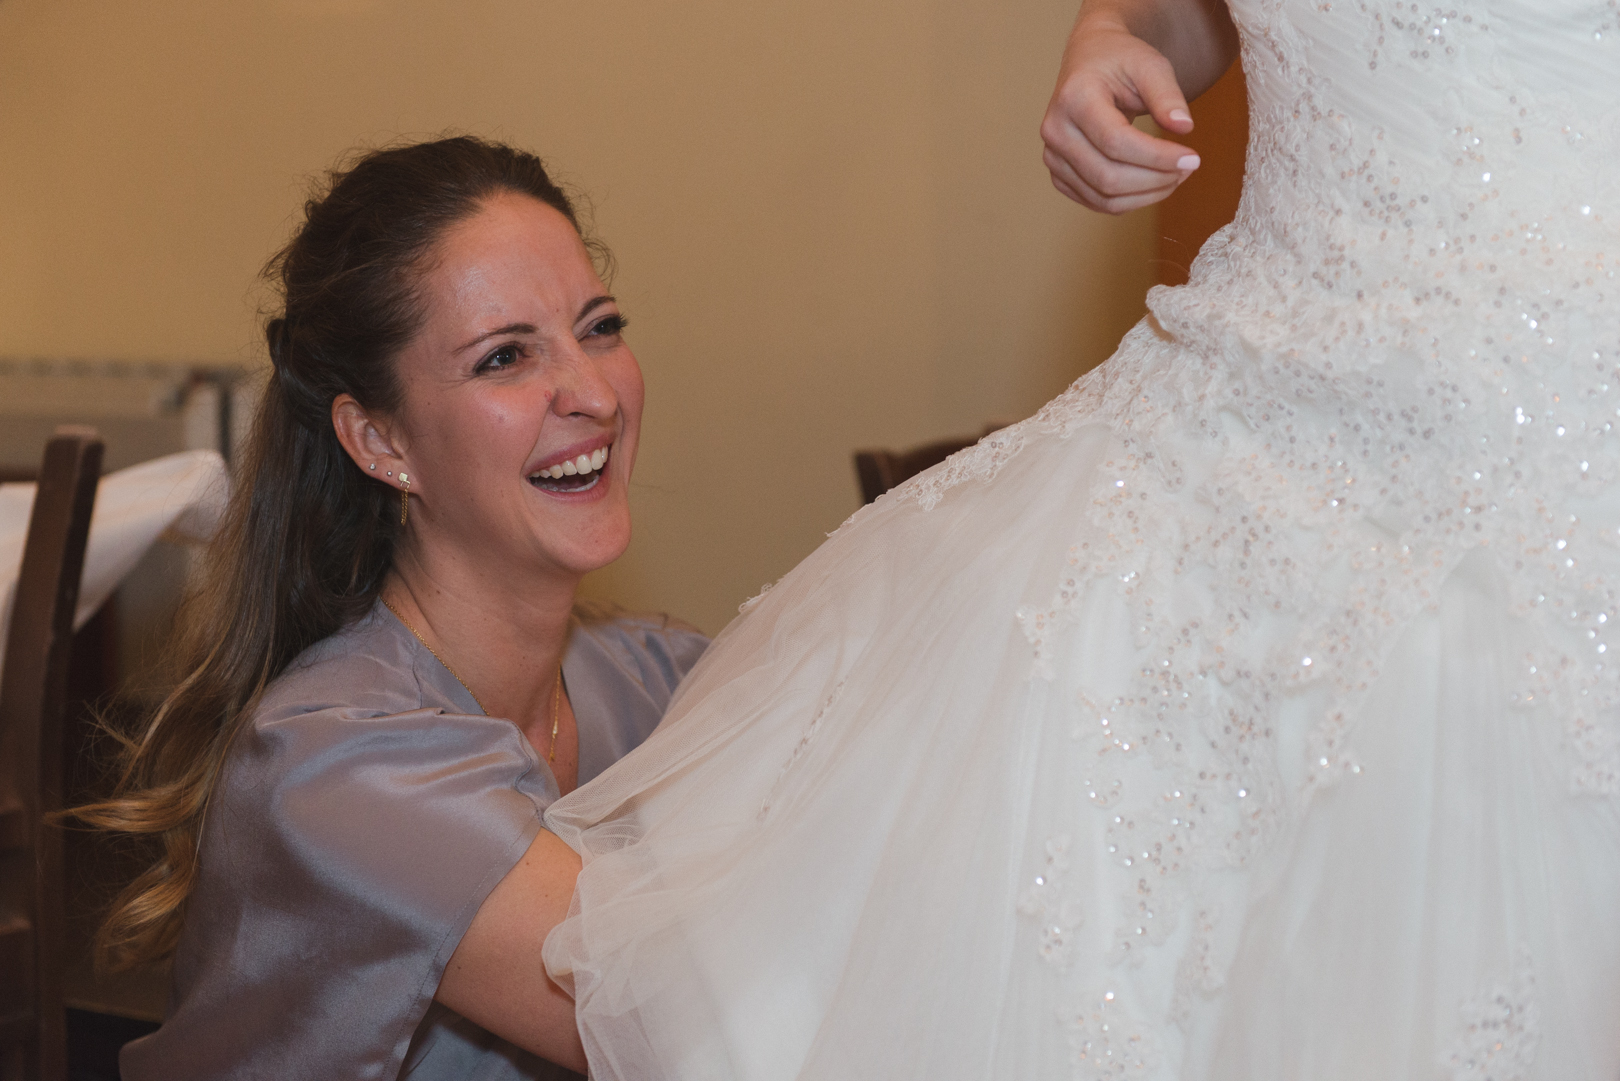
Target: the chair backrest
(880, 470)
(33, 686)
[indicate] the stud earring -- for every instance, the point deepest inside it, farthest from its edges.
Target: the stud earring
(404, 497)
(372, 467)
(390, 472)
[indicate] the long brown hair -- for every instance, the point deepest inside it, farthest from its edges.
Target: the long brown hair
(308, 537)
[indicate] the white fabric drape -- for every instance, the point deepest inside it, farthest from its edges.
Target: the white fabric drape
(179, 497)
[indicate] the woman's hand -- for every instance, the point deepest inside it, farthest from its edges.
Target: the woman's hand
(1126, 58)
(496, 978)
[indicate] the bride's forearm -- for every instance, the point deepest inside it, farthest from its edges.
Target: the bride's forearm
(1196, 36)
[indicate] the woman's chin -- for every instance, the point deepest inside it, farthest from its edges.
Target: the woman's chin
(592, 547)
(579, 527)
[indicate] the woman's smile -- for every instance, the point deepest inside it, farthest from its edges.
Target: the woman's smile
(575, 470)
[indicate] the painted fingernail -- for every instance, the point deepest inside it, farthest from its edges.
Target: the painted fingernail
(1178, 115)
(1189, 163)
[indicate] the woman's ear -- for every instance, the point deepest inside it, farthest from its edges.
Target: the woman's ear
(366, 439)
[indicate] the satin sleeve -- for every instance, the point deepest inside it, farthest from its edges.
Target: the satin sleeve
(347, 854)
(621, 674)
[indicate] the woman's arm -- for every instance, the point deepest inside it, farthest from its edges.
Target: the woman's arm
(1126, 58)
(496, 978)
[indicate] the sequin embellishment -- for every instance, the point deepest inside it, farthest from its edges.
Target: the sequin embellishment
(1107, 1043)
(1499, 1031)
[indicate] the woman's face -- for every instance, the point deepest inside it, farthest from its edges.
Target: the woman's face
(522, 402)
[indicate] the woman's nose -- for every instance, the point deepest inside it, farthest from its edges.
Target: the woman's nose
(584, 391)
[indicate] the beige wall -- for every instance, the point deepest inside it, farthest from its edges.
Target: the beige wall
(832, 223)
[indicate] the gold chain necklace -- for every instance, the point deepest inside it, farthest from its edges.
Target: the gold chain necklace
(556, 690)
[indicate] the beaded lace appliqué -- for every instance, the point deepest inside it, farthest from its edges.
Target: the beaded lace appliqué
(1498, 1032)
(1107, 1043)
(1056, 914)
(983, 460)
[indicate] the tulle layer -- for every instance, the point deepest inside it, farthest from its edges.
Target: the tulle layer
(860, 736)
(869, 841)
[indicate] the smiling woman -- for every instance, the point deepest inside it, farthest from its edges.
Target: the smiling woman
(519, 371)
(387, 679)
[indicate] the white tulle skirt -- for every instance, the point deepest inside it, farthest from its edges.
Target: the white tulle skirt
(875, 838)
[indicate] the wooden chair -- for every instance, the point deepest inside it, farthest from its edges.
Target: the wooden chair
(33, 687)
(880, 470)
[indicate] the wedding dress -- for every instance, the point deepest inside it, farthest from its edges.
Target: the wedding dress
(1248, 713)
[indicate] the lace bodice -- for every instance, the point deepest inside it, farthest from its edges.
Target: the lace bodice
(1408, 162)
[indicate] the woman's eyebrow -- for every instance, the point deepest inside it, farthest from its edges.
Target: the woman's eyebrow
(529, 328)
(510, 328)
(594, 303)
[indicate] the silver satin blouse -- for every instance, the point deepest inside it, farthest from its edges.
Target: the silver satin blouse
(364, 814)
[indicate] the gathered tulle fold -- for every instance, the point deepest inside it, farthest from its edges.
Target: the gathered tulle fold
(845, 774)
(1439, 913)
(869, 841)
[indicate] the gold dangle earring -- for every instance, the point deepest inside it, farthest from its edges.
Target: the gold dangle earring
(404, 497)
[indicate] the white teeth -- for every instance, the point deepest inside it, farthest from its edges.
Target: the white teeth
(584, 463)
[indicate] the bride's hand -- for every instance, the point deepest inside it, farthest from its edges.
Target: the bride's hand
(1111, 74)
(1097, 158)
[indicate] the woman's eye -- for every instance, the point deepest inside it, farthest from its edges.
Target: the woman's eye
(608, 326)
(504, 357)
